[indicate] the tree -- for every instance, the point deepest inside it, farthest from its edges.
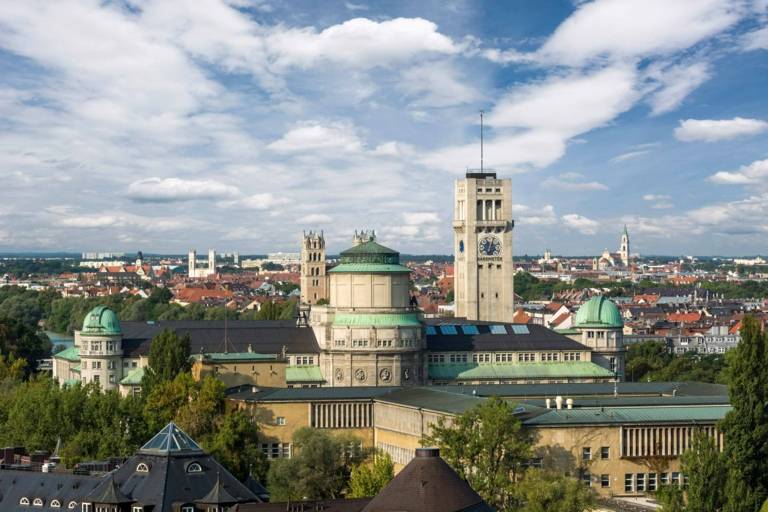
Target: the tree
(487, 446)
(168, 357)
(319, 468)
(371, 476)
(703, 464)
(545, 491)
(671, 498)
(235, 444)
(746, 425)
(646, 357)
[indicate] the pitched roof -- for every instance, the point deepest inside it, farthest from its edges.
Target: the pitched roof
(427, 484)
(493, 371)
(108, 493)
(494, 336)
(218, 495)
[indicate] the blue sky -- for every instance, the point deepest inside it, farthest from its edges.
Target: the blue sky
(236, 124)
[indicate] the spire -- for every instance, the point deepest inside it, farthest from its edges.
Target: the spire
(626, 233)
(218, 495)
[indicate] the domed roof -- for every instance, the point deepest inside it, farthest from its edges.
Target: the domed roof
(101, 320)
(598, 312)
(370, 252)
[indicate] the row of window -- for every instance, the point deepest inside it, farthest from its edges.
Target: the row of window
(39, 502)
(96, 346)
(586, 453)
(277, 450)
(642, 482)
(504, 357)
(379, 343)
(302, 360)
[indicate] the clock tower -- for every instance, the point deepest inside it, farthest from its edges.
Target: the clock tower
(482, 227)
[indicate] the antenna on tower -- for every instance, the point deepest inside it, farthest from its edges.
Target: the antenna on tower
(481, 139)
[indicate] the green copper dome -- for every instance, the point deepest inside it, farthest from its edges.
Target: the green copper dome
(370, 252)
(600, 313)
(101, 320)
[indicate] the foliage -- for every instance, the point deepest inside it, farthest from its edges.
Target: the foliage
(544, 491)
(168, 357)
(371, 476)
(651, 361)
(318, 469)
(11, 368)
(671, 498)
(235, 444)
(746, 425)
(703, 464)
(487, 446)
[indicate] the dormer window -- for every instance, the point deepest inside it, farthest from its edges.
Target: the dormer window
(37, 502)
(55, 504)
(72, 505)
(194, 468)
(24, 501)
(142, 468)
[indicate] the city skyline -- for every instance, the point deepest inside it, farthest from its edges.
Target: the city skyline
(236, 125)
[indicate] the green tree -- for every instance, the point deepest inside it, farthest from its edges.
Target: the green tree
(544, 491)
(703, 464)
(487, 446)
(671, 498)
(644, 358)
(371, 476)
(235, 444)
(319, 468)
(746, 425)
(168, 357)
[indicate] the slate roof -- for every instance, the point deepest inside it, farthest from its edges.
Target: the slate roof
(538, 337)
(338, 505)
(251, 393)
(64, 487)
(263, 336)
(427, 484)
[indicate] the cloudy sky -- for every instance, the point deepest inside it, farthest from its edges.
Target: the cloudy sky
(236, 124)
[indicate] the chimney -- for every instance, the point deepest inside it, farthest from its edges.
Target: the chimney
(548, 401)
(569, 403)
(559, 402)
(427, 452)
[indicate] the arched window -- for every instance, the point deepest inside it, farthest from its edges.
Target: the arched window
(37, 502)
(194, 468)
(142, 468)
(55, 504)
(24, 501)
(72, 505)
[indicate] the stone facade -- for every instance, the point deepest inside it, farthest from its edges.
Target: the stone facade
(482, 225)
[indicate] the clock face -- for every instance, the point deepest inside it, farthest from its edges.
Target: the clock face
(490, 246)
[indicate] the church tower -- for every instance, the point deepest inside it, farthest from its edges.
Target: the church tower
(314, 280)
(624, 247)
(482, 227)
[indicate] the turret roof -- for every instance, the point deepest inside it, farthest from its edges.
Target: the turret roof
(101, 320)
(598, 312)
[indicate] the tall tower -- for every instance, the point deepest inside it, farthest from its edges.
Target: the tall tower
(192, 263)
(624, 247)
(482, 227)
(314, 280)
(211, 262)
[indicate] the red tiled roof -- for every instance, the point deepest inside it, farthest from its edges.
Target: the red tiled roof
(687, 318)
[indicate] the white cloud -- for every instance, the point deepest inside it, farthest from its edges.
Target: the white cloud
(568, 105)
(580, 223)
(437, 84)
(628, 29)
(572, 181)
(629, 155)
(659, 201)
(176, 189)
(123, 220)
(543, 216)
(756, 40)
(359, 43)
(420, 218)
(676, 82)
(263, 201)
(752, 174)
(315, 218)
(714, 130)
(656, 197)
(314, 136)
(355, 7)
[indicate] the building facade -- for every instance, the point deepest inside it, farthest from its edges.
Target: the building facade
(482, 227)
(194, 271)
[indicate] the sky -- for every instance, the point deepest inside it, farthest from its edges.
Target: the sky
(238, 124)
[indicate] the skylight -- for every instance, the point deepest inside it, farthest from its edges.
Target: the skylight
(498, 329)
(448, 329)
(431, 330)
(469, 329)
(520, 329)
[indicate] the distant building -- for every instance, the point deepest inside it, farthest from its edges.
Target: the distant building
(620, 259)
(194, 271)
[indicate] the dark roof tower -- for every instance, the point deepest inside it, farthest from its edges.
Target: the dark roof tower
(427, 484)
